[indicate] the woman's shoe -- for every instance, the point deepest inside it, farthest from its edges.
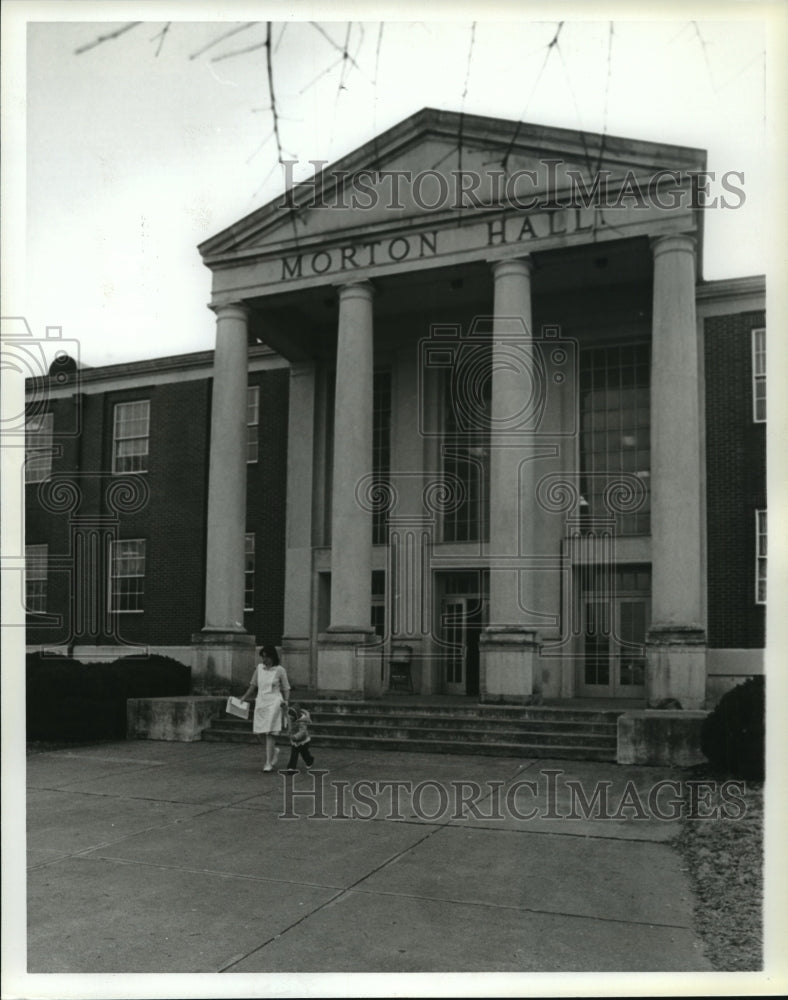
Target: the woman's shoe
(268, 767)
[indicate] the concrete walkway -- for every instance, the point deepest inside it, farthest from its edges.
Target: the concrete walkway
(171, 857)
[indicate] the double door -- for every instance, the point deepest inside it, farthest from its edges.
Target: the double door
(613, 662)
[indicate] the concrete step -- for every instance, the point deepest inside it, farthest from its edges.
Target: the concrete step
(426, 745)
(472, 735)
(462, 727)
(466, 724)
(477, 710)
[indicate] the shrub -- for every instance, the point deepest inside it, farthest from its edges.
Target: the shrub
(733, 735)
(68, 699)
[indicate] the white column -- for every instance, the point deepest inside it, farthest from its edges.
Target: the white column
(508, 645)
(300, 499)
(677, 635)
(341, 665)
(224, 583)
(351, 522)
(224, 649)
(511, 534)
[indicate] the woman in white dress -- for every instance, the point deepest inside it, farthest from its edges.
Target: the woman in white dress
(273, 690)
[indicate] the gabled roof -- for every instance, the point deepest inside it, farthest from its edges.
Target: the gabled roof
(445, 141)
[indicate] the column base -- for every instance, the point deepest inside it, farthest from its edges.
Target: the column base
(297, 659)
(507, 655)
(223, 661)
(344, 655)
(676, 667)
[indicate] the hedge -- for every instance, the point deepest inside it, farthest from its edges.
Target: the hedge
(71, 700)
(733, 736)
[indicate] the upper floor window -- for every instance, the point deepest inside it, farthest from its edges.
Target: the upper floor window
(249, 573)
(36, 558)
(127, 574)
(377, 611)
(38, 453)
(615, 430)
(465, 450)
(759, 375)
(760, 557)
(381, 447)
(130, 436)
(252, 421)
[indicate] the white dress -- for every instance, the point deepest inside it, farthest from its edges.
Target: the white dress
(272, 688)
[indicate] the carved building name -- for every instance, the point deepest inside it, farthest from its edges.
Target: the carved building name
(438, 242)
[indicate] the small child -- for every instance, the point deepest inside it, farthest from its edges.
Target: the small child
(298, 721)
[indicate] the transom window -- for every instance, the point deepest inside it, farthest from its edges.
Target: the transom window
(377, 611)
(127, 574)
(615, 422)
(249, 573)
(39, 429)
(36, 559)
(760, 556)
(381, 448)
(252, 422)
(466, 460)
(130, 436)
(759, 375)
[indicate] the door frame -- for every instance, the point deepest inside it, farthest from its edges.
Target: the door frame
(618, 646)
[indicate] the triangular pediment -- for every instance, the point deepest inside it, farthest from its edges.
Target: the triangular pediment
(437, 166)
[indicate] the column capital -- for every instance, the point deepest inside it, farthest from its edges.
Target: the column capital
(673, 243)
(355, 290)
(230, 310)
(522, 265)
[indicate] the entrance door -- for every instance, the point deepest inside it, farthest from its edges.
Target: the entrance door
(614, 660)
(454, 629)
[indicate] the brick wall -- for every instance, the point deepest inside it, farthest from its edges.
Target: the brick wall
(173, 520)
(736, 481)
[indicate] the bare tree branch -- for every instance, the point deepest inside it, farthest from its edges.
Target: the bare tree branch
(464, 95)
(550, 46)
(221, 38)
(161, 35)
(106, 38)
(240, 52)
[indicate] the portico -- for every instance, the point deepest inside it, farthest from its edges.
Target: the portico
(471, 463)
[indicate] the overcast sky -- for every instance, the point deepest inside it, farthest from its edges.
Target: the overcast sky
(134, 158)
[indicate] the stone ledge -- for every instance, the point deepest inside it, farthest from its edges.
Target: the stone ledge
(668, 737)
(177, 719)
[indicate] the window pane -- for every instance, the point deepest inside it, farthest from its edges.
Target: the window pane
(130, 436)
(252, 422)
(128, 574)
(38, 451)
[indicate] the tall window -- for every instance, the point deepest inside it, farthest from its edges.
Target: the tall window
(36, 558)
(381, 447)
(252, 421)
(760, 557)
(615, 429)
(249, 573)
(127, 574)
(38, 439)
(377, 613)
(759, 375)
(130, 436)
(466, 458)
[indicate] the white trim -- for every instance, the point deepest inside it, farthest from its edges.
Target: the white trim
(140, 576)
(758, 376)
(758, 555)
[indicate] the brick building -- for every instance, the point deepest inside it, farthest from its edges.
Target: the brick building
(487, 428)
